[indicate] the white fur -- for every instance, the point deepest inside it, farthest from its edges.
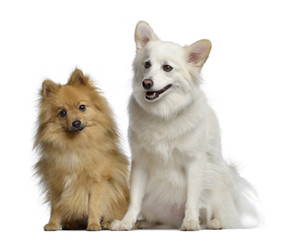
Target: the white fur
(179, 177)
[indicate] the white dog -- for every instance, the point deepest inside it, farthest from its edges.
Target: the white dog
(178, 176)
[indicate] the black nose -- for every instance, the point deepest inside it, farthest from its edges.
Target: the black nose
(76, 124)
(147, 83)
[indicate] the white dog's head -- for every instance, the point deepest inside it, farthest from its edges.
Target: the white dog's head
(166, 74)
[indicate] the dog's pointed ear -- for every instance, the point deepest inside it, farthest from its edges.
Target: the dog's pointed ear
(48, 87)
(143, 34)
(78, 78)
(197, 53)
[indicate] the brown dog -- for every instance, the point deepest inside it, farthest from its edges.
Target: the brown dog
(81, 166)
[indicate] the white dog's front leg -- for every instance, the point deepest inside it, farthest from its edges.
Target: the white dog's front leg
(194, 185)
(138, 182)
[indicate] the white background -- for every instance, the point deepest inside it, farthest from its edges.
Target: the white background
(243, 82)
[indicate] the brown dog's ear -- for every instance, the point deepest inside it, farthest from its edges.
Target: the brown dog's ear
(197, 53)
(143, 34)
(78, 78)
(48, 87)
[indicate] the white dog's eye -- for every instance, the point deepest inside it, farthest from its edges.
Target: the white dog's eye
(147, 64)
(167, 68)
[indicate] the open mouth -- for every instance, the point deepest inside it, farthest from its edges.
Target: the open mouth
(151, 95)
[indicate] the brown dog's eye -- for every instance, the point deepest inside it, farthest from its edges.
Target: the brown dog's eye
(63, 113)
(167, 68)
(147, 64)
(82, 108)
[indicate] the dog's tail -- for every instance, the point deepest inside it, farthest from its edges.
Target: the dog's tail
(246, 201)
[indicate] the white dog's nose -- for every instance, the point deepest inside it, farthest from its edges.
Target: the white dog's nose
(147, 83)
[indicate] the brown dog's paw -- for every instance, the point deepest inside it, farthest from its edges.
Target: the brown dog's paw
(50, 227)
(93, 227)
(105, 225)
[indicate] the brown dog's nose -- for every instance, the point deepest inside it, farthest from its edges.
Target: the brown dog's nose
(76, 124)
(147, 83)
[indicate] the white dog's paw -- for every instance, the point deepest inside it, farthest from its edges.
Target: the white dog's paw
(214, 224)
(117, 225)
(190, 225)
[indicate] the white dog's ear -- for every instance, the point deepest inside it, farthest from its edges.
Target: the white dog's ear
(197, 53)
(143, 35)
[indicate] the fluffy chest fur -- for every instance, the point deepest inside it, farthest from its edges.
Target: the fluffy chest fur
(78, 165)
(71, 174)
(164, 147)
(178, 137)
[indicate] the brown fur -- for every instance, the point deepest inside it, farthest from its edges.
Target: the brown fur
(84, 173)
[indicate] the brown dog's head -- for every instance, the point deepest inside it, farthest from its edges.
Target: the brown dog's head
(71, 112)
